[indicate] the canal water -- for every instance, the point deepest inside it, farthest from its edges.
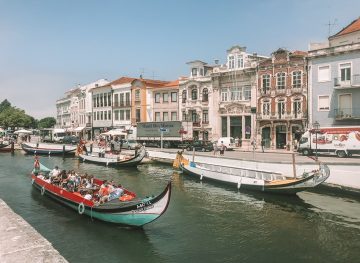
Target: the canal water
(204, 222)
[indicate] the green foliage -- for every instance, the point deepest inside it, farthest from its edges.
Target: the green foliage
(47, 122)
(4, 105)
(14, 117)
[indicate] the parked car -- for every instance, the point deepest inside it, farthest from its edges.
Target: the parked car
(70, 139)
(203, 146)
(129, 144)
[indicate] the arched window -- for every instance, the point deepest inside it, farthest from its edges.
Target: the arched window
(205, 96)
(184, 96)
(194, 94)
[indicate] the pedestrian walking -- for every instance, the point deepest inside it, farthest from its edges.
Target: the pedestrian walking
(222, 148)
(262, 144)
(216, 149)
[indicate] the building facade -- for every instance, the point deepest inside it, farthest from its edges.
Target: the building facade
(102, 114)
(282, 98)
(196, 100)
(234, 86)
(334, 81)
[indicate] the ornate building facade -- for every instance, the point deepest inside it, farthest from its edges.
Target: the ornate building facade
(282, 98)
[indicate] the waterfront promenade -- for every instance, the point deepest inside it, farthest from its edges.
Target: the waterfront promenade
(20, 242)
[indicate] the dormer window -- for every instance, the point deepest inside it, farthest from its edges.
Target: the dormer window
(240, 61)
(231, 62)
(194, 72)
(201, 72)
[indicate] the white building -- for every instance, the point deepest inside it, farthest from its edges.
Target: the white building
(101, 109)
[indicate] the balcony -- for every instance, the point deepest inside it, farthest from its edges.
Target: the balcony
(281, 116)
(354, 82)
(196, 124)
(280, 91)
(347, 113)
(264, 91)
(297, 89)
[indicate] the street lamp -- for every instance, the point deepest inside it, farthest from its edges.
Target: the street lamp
(316, 126)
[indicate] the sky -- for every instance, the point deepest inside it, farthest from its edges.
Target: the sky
(48, 47)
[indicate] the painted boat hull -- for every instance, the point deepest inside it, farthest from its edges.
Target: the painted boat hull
(132, 213)
(48, 150)
(290, 186)
(113, 161)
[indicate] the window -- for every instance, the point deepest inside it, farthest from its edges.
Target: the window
(138, 115)
(323, 103)
(116, 100)
(122, 99)
(297, 107)
(345, 72)
(98, 115)
(296, 79)
(280, 80)
(94, 102)
(109, 115)
(137, 95)
(157, 97)
(116, 115)
(174, 116)
(240, 61)
(105, 100)
(201, 72)
(127, 115)
(194, 72)
(101, 115)
(109, 98)
(265, 82)
(165, 116)
(205, 117)
(184, 96)
(94, 116)
(231, 61)
(205, 96)
(127, 98)
(324, 73)
(157, 116)
(101, 100)
(235, 94)
(121, 115)
(165, 97)
(184, 116)
(224, 95)
(194, 94)
(266, 108)
(247, 93)
(173, 96)
(281, 108)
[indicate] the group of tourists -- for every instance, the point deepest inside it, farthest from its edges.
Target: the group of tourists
(83, 185)
(219, 149)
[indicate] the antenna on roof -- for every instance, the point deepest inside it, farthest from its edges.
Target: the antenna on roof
(142, 72)
(330, 26)
(153, 75)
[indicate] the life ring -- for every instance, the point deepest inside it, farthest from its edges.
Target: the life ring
(81, 208)
(42, 191)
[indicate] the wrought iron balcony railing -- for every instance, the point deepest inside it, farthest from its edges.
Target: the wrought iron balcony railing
(347, 113)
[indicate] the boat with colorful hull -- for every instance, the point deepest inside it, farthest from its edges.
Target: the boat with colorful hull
(5, 147)
(259, 180)
(115, 160)
(131, 211)
(48, 149)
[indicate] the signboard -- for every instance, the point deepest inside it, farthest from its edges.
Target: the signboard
(164, 130)
(152, 129)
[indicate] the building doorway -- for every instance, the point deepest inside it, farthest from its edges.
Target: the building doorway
(280, 137)
(265, 135)
(236, 126)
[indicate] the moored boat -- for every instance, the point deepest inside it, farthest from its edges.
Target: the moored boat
(115, 160)
(48, 149)
(126, 210)
(251, 179)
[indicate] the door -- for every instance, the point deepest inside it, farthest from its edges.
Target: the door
(266, 136)
(345, 105)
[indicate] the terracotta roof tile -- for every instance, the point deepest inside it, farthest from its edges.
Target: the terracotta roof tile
(352, 27)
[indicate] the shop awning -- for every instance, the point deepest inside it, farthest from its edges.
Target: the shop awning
(79, 129)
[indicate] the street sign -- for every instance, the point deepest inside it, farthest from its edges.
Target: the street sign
(164, 130)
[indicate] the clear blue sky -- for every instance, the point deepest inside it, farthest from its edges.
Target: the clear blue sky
(49, 46)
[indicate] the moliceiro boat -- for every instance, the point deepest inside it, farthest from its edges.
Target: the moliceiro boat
(126, 210)
(115, 160)
(259, 180)
(48, 149)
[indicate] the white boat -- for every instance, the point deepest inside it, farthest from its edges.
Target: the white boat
(259, 180)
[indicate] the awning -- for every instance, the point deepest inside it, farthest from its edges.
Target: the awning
(22, 131)
(114, 132)
(79, 129)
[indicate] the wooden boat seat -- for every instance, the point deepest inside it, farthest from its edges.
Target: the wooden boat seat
(280, 182)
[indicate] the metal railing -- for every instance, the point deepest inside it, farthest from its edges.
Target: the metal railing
(347, 113)
(354, 81)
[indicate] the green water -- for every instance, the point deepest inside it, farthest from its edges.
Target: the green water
(204, 222)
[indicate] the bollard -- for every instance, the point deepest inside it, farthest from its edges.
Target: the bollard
(91, 148)
(12, 147)
(63, 151)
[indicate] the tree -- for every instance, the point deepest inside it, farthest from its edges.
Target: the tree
(47, 122)
(5, 104)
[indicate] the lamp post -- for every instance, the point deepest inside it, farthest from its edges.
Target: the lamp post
(316, 126)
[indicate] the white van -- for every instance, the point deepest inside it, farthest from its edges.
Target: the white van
(229, 143)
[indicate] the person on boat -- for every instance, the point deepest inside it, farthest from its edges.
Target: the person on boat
(71, 181)
(36, 165)
(104, 192)
(88, 195)
(116, 192)
(55, 172)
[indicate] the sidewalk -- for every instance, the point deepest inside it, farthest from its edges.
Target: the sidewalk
(20, 242)
(266, 150)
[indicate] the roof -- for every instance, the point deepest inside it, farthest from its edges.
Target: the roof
(122, 80)
(352, 27)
